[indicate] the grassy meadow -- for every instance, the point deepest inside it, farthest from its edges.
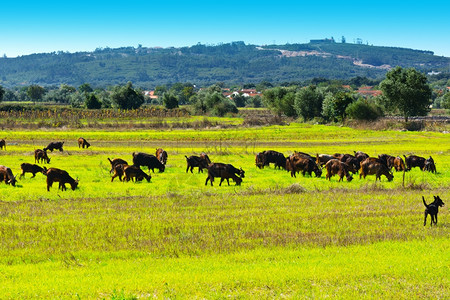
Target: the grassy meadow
(272, 237)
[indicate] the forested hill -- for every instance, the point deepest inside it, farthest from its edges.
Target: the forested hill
(202, 65)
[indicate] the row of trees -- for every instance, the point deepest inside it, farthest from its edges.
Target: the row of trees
(320, 102)
(123, 97)
(405, 92)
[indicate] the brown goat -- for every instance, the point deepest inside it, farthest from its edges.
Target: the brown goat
(61, 176)
(194, 161)
(30, 168)
(387, 159)
(373, 167)
(2, 144)
(413, 161)
(300, 162)
(429, 165)
(54, 145)
(360, 156)
(322, 159)
(115, 162)
(41, 156)
(83, 143)
(224, 171)
(399, 164)
(161, 154)
(337, 167)
(118, 171)
(7, 176)
(135, 172)
(205, 156)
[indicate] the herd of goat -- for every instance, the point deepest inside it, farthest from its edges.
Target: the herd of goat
(336, 164)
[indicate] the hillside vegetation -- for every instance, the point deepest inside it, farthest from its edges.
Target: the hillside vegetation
(201, 64)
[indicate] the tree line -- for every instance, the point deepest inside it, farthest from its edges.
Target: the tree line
(405, 92)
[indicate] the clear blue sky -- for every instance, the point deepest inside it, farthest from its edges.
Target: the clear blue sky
(45, 26)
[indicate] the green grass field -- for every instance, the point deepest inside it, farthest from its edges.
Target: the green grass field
(272, 237)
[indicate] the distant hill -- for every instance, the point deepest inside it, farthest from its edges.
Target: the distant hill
(231, 63)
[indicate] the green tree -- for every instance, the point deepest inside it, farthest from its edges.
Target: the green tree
(2, 92)
(212, 101)
(35, 92)
(280, 100)
(62, 95)
(308, 102)
(160, 90)
(407, 91)
(239, 100)
(85, 88)
(77, 100)
(445, 102)
(255, 101)
(9, 96)
(328, 111)
(341, 101)
(170, 100)
(126, 97)
(92, 102)
(186, 94)
(104, 97)
(363, 109)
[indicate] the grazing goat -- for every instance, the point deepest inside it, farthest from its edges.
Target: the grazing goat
(115, 162)
(413, 161)
(118, 171)
(399, 164)
(33, 169)
(224, 171)
(429, 165)
(196, 161)
(387, 159)
(7, 176)
(83, 143)
(54, 145)
(322, 159)
(41, 156)
(61, 176)
(161, 154)
(2, 144)
(148, 160)
(337, 167)
(360, 156)
(371, 166)
(135, 172)
(300, 162)
(352, 162)
(267, 157)
(259, 160)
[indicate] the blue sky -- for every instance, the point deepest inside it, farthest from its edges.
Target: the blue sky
(45, 26)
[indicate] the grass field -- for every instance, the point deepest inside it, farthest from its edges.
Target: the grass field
(272, 237)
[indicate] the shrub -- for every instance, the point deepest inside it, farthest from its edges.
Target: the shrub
(223, 107)
(92, 102)
(363, 110)
(212, 101)
(126, 97)
(170, 100)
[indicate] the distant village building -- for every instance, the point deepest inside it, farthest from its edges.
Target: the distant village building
(366, 91)
(150, 94)
(242, 92)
